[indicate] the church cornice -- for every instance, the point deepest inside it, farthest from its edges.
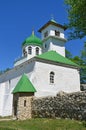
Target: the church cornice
(56, 63)
(54, 37)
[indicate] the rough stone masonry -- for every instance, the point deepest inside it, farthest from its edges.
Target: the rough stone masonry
(64, 105)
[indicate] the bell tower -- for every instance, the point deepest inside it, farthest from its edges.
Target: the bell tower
(53, 37)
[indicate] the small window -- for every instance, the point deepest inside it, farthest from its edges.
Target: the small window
(24, 103)
(57, 33)
(45, 46)
(29, 50)
(52, 77)
(46, 34)
(37, 51)
(24, 52)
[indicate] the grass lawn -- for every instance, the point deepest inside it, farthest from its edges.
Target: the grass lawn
(43, 124)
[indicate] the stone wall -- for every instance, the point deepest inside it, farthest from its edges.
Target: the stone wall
(22, 105)
(83, 87)
(64, 105)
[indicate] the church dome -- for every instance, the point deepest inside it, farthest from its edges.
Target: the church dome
(32, 40)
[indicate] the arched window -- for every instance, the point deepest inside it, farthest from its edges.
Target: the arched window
(52, 77)
(29, 50)
(37, 51)
(24, 52)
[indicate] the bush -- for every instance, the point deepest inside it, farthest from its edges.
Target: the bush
(84, 123)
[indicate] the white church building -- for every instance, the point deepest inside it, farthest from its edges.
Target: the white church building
(43, 61)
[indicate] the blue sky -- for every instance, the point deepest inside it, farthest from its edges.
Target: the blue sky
(19, 17)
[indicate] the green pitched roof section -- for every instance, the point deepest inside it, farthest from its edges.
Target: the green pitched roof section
(32, 40)
(24, 85)
(55, 57)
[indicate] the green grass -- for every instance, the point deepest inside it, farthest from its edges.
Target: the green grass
(43, 124)
(6, 117)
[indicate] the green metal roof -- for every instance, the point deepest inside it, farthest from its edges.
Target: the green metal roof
(32, 40)
(24, 85)
(54, 56)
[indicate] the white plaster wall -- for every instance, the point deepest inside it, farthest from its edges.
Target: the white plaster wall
(27, 67)
(51, 31)
(20, 61)
(6, 103)
(10, 79)
(29, 56)
(6, 99)
(33, 51)
(54, 44)
(58, 46)
(66, 79)
(2, 87)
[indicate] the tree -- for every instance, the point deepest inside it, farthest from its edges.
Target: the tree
(83, 54)
(77, 18)
(81, 61)
(3, 71)
(83, 67)
(68, 54)
(77, 60)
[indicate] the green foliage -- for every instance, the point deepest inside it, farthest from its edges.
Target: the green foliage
(68, 54)
(84, 123)
(77, 60)
(83, 65)
(81, 61)
(77, 18)
(83, 75)
(3, 71)
(83, 54)
(6, 70)
(42, 124)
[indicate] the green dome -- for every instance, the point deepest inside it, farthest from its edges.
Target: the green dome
(32, 40)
